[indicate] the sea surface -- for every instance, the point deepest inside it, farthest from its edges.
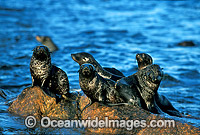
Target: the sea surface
(113, 32)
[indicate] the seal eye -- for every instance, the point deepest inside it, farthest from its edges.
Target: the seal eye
(85, 59)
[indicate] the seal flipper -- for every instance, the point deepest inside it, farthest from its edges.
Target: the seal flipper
(3, 94)
(114, 71)
(117, 104)
(165, 105)
(89, 104)
(153, 107)
(128, 93)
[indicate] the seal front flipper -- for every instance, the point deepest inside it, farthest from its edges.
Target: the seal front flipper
(3, 94)
(128, 92)
(166, 106)
(90, 103)
(153, 107)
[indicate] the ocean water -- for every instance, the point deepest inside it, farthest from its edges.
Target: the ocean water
(113, 32)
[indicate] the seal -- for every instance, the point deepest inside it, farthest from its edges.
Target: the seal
(161, 101)
(47, 41)
(82, 58)
(97, 88)
(139, 89)
(3, 94)
(186, 43)
(149, 80)
(51, 79)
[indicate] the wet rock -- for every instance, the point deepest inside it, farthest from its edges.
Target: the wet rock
(186, 43)
(32, 101)
(130, 113)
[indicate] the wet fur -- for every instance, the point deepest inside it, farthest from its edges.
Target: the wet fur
(50, 78)
(149, 80)
(161, 101)
(97, 88)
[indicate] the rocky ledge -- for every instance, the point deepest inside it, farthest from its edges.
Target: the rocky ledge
(32, 101)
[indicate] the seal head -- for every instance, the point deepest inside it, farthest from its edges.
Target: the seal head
(82, 58)
(111, 73)
(143, 60)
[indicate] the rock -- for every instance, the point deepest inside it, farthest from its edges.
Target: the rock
(32, 101)
(186, 43)
(130, 113)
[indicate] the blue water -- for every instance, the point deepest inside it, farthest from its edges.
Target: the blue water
(113, 32)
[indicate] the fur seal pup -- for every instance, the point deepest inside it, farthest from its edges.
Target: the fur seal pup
(50, 78)
(97, 88)
(163, 103)
(3, 94)
(45, 40)
(82, 58)
(149, 80)
(140, 88)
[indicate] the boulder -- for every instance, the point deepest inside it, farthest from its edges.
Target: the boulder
(32, 101)
(131, 113)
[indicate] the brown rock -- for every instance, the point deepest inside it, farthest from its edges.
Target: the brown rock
(131, 113)
(32, 101)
